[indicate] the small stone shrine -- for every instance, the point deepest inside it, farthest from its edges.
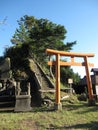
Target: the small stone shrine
(23, 99)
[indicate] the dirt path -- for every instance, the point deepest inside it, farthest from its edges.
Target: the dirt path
(29, 124)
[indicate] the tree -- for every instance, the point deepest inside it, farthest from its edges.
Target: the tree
(66, 73)
(33, 37)
(40, 34)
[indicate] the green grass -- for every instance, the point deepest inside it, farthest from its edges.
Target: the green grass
(74, 115)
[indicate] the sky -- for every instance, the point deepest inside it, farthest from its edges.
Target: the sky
(79, 17)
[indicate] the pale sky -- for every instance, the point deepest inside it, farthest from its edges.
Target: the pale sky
(80, 18)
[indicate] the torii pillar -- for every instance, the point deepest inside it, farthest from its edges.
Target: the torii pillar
(59, 63)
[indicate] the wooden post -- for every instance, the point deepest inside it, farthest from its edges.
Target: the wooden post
(58, 105)
(57, 79)
(89, 82)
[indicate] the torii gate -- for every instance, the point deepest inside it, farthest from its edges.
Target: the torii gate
(59, 63)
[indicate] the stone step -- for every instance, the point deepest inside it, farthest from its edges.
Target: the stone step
(7, 101)
(7, 98)
(7, 104)
(7, 109)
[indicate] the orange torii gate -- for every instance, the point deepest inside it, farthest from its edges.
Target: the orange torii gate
(72, 62)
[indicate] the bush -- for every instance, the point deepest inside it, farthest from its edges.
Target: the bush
(82, 97)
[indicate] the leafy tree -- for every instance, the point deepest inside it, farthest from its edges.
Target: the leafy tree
(40, 34)
(33, 37)
(66, 73)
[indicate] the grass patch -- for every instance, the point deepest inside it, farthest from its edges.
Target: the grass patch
(74, 115)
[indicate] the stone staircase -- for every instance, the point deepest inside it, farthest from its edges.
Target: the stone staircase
(44, 84)
(42, 80)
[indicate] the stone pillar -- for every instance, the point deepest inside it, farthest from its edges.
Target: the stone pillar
(18, 89)
(28, 86)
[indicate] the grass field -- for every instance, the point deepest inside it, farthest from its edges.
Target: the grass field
(74, 115)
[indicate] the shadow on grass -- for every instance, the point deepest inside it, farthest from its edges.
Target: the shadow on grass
(74, 106)
(83, 105)
(65, 107)
(91, 126)
(90, 109)
(43, 109)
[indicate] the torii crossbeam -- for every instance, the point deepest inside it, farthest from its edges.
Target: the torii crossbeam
(72, 62)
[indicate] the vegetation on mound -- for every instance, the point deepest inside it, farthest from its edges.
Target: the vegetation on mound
(31, 39)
